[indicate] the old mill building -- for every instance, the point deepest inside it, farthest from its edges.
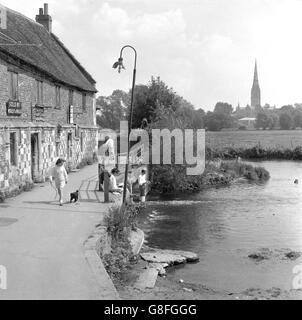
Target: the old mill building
(47, 102)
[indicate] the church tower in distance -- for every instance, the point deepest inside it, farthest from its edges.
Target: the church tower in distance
(256, 94)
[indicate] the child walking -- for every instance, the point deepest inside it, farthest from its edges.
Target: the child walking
(59, 175)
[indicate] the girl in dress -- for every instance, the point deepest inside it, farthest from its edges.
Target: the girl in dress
(59, 175)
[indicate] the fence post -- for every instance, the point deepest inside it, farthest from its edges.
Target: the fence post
(106, 186)
(99, 175)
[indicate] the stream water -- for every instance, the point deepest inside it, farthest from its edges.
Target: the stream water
(225, 225)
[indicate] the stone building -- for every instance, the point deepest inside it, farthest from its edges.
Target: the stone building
(47, 102)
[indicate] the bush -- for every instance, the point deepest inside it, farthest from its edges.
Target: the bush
(256, 152)
(121, 219)
(120, 222)
(245, 170)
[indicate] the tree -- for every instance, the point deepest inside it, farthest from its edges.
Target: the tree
(215, 121)
(198, 119)
(272, 120)
(289, 109)
(285, 121)
(156, 101)
(224, 108)
(297, 118)
(112, 110)
(262, 121)
(150, 97)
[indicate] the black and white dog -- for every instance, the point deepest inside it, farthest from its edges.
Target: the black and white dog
(74, 197)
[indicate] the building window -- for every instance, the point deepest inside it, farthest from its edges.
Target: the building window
(39, 92)
(69, 145)
(58, 96)
(57, 149)
(13, 86)
(77, 131)
(71, 93)
(82, 141)
(49, 151)
(84, 101)
(13, 148)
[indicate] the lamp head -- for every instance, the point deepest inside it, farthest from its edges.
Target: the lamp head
(119, 64)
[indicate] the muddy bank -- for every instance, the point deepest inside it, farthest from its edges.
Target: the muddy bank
(166, 288)
(266, 254)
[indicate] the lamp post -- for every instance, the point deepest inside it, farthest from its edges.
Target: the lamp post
(119, 64)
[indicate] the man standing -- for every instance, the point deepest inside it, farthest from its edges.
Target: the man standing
(107, 154)
(109, 143)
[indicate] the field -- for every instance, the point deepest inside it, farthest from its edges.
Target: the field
(249, 139)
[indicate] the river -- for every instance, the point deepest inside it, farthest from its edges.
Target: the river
(225, 225)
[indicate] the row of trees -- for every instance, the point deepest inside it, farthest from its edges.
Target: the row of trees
(286, 118)
(156, 103)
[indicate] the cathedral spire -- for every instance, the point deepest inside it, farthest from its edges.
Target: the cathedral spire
(256, 93)
(256, 73)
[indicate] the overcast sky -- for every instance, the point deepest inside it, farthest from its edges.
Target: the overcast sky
(204, 49)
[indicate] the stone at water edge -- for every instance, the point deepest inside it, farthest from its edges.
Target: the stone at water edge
(190, 256)
(169, 256)
(160, 267)
(159, 257)
(147, 279)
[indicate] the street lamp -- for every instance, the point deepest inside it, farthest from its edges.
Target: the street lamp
(119, 64)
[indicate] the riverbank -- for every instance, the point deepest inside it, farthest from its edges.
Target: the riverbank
(257, 152)
(248, 238)
(120, 259)
(167, 289)
(173, 178)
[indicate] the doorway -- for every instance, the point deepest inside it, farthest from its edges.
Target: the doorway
(34, 141)
(69, 146)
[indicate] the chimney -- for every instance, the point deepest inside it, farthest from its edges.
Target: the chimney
(44, 18)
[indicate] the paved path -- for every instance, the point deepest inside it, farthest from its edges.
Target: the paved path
(41, 244)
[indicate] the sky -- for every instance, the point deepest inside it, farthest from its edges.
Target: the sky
(204, 49)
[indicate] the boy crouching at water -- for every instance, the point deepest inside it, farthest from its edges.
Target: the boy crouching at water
(59, 175)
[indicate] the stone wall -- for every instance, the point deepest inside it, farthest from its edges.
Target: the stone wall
(51, 126)
(52, 113)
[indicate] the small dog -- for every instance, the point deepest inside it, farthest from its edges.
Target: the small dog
(74, 197)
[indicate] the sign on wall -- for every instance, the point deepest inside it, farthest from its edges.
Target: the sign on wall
(38, 113)
(13, 108)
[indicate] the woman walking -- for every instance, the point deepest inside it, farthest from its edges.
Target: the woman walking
(59, 175)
